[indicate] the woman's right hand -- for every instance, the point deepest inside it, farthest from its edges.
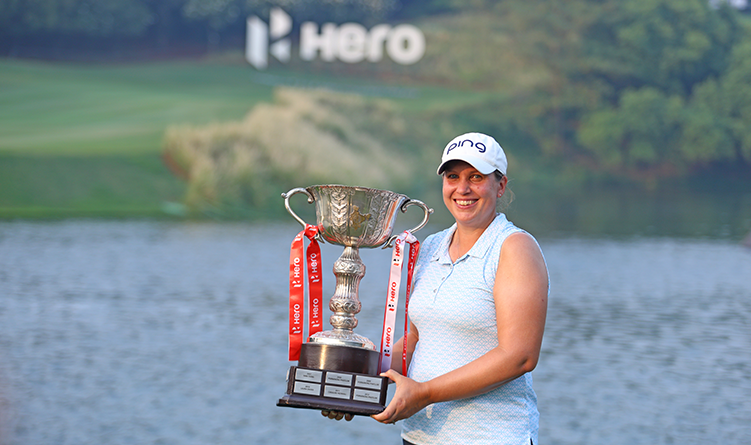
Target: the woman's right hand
(336, 415)
(410, 397)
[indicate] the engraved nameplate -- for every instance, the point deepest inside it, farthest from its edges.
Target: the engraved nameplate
(336, 392)
(368, 382)
(308, 375)
(312, 389)
(339, 379)
(363, 395)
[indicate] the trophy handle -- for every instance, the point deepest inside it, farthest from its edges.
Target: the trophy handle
(412, 202)
(311, 200)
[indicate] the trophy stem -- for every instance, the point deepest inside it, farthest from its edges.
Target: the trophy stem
(349, 270)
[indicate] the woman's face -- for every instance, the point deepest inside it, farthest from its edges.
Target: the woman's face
(471, 196)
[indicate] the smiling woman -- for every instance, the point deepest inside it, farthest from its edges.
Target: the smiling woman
(477, 315)
(473, 168)
(471, 198)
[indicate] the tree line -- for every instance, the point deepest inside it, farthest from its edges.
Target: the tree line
(645, 86)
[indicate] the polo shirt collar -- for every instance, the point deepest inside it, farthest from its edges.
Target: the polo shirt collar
(478, 250)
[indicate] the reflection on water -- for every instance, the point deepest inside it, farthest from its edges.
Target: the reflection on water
(174, 333)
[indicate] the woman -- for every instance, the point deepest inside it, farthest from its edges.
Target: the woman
(477, 315)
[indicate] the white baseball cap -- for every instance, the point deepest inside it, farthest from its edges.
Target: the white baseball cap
(479, 150)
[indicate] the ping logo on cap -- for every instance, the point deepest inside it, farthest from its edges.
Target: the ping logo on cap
(477, 149)
(478, 145)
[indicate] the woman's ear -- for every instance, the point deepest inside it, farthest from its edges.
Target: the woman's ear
(502, 188)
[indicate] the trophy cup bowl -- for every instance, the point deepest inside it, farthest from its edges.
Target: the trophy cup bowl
(353, 217)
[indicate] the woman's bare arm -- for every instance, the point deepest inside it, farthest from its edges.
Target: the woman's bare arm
(520, 293)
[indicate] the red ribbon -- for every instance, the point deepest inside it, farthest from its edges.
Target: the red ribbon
(392, 299)
(297, 289)
(414, 250)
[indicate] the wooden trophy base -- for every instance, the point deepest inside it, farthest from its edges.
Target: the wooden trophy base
(336, 378)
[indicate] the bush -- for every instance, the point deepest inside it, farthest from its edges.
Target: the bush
(303, 138)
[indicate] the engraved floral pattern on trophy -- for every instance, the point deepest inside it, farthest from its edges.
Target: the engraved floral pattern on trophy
(339, 208)
(353, 217)
(376, 224)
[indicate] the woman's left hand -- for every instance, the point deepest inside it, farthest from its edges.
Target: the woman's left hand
(409, 398)
(336, 415)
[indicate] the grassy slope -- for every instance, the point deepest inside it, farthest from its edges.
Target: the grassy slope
(86, 140)
(59, 109)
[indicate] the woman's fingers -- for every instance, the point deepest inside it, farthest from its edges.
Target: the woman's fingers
(384, 416)
(410, 397)
(336, 415)
(387, 414)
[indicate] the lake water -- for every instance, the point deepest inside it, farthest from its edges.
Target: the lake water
(144, 332)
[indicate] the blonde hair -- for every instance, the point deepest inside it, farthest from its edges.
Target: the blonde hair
(504, 201)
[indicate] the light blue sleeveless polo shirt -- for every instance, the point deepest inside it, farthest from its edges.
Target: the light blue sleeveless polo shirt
(453, 309)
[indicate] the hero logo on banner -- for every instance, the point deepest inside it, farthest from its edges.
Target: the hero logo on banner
(350, 42)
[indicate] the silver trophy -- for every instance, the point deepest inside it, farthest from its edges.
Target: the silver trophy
(338, 369)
